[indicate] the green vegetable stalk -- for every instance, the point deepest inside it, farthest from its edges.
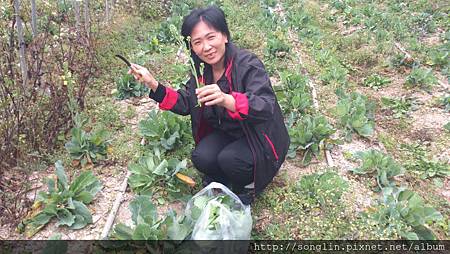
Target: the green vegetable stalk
(187, 51)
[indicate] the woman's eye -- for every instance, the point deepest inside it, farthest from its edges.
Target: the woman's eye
(211, 37)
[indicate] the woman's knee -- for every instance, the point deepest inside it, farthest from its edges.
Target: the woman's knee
(232, 163)
(203, 162)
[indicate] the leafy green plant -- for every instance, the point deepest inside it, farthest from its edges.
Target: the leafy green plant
(400, 107)
(309, 135)
(444, 102)
(127, 87)
(376, 81)
(163, 131)
(422, 78)
(63, 200)
(334, 74)
(384, 166)
(157, 178)
(439, 57)
(401, 212)
(355, 113)
(398, 60)
(87, 148)
(418, 161)
(147, 226)
(294, 95)
(276, 45)
(325, 188)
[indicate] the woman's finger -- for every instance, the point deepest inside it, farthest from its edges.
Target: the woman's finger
(207, 87)
(213, 102)
(209, 97)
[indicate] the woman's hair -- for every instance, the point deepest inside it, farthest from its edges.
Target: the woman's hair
(213, 16)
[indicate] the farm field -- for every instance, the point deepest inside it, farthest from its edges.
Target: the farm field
(363, 85)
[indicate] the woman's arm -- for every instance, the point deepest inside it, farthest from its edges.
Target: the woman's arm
(168, 99)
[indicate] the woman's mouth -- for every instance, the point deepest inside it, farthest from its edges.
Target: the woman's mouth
(210, 56)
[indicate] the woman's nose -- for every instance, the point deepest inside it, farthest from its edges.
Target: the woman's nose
(206, 47)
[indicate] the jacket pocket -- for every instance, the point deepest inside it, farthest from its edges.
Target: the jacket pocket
(271, 146)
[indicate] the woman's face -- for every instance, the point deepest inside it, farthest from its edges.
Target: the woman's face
(208, 43)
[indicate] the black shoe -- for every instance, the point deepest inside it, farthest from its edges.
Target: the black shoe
(206, 180)
(247, 197)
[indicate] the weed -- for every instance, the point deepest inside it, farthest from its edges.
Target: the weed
(418, 161)
(422, 78)
(400, 107)
(325, 188)
(376, 81)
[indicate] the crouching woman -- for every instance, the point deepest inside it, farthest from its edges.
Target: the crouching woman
(240, 136)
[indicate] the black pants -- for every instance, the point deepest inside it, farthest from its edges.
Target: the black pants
(224, 159)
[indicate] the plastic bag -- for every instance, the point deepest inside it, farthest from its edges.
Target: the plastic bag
(218, 214)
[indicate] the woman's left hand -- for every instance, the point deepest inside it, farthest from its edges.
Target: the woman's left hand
(210, 95)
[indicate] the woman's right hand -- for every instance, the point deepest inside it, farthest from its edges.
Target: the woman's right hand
(142, 75)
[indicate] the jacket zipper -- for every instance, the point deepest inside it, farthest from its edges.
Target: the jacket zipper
(274, 151)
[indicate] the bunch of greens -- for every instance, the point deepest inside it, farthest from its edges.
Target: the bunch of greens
(127, 87)
(324, 189)
(356, 114)
(309, 135)
(219, 217)
(86, 148)
(403, 213)
(152, 176)
(147, 226)
(63, 200)
(384, 166)
(164, 131)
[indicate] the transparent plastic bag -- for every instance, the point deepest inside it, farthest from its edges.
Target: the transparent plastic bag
(218, 214)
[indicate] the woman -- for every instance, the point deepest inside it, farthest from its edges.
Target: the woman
(239, 131)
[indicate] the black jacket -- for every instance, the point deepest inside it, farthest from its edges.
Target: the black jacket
(257, 110)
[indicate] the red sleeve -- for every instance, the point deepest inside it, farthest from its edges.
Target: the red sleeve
(241, 106)
(170, 99)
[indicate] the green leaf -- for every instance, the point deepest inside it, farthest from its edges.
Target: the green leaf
(65, 217)
(143, 211)
(84, 197)
(86, 181)
(144, 232)
(176, 230)
(161, 169)
(82, 215)
(122, 232)
(61, 176)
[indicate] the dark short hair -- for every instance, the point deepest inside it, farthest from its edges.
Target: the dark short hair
(211, 15)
